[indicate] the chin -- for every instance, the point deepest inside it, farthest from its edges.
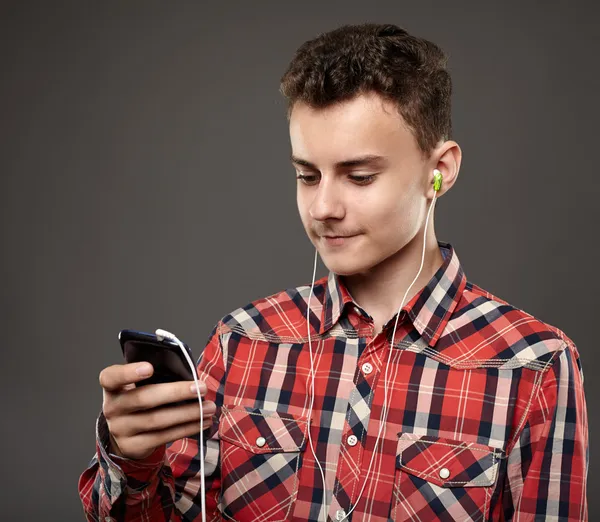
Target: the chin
(346, 265)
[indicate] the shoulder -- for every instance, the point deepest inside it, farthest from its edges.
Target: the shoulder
(486, 330)
(279, 317)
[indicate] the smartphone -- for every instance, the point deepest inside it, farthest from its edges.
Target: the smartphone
(170, 365)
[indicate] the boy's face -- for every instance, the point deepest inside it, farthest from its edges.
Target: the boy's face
(378, 215)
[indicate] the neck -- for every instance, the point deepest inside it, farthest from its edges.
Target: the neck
(380, 290)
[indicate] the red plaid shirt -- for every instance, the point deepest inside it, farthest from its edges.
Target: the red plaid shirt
(487, 416)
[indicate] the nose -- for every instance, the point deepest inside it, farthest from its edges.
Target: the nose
(326, 203)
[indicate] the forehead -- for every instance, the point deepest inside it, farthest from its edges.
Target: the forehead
(366, 124)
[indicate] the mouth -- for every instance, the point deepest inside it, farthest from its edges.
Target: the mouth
(337, 240)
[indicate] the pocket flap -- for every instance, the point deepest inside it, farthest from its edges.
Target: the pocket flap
(448, 462)
(262, 431)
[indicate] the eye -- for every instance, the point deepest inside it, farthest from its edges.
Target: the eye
(309, 179)
(363, 180)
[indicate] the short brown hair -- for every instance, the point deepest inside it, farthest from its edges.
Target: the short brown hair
(381, 58)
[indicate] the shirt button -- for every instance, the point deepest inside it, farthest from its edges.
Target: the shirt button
(444, 473)
(367, 368)
(340, 514)
(352, 440)
(261, 441)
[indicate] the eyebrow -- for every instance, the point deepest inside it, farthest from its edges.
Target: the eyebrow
(369, 159)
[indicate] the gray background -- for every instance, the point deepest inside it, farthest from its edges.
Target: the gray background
(146, 183)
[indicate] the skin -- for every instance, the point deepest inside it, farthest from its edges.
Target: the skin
(386, 212)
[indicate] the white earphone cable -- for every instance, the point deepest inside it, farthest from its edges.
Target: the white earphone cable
(164, 334)
(312, 387)
(385, 409)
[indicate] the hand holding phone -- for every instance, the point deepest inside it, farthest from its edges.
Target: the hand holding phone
(146, 410)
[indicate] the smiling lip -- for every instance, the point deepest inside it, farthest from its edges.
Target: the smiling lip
(337, 240)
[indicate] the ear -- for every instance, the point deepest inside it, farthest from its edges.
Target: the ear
(446, 158)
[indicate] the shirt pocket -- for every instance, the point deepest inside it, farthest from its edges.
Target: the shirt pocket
(443, 479)
(261, 455)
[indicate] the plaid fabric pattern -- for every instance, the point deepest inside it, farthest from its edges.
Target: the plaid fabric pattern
(487, 416)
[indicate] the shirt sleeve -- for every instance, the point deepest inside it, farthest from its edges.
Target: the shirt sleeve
(547, 468)
(165, 486)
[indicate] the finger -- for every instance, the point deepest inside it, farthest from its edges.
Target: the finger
(164, 418)
(152, 439)
(116, 376)
(157, 395)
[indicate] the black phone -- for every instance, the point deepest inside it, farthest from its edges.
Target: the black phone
(170, 365)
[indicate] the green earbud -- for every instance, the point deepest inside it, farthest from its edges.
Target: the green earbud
(437, 180)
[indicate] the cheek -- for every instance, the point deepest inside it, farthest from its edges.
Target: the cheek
(389, 217)
(377, 211)
(302, 210)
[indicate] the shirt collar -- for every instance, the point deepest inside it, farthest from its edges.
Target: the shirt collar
(429, 310)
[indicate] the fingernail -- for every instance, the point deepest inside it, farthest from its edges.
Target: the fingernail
(200, 385)
(143, 370)
(209, 407)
